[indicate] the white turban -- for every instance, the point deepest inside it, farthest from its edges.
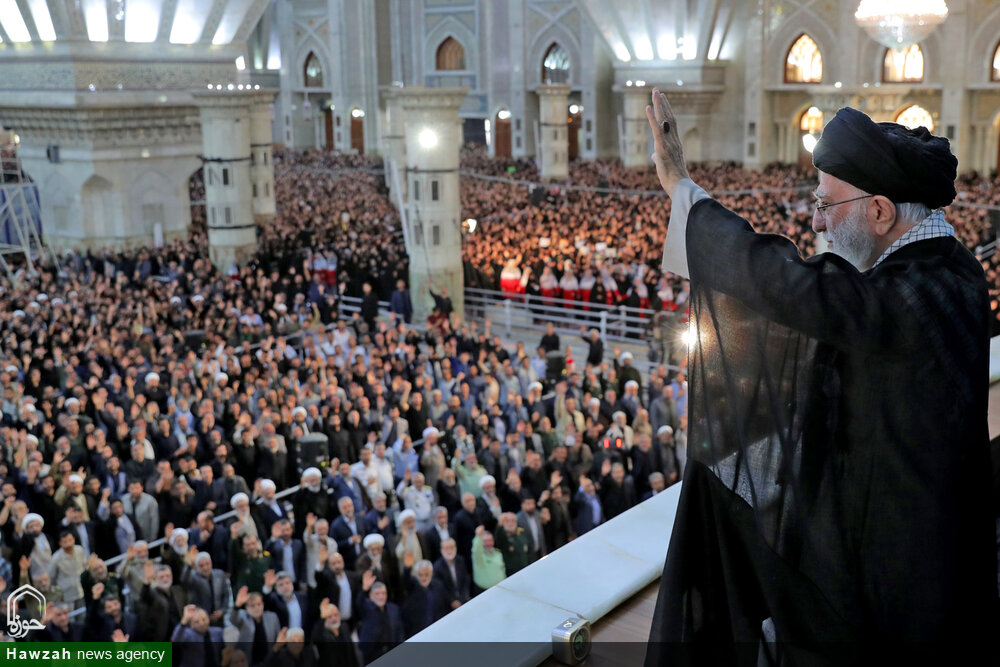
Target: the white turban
(626, 356)
(617, 414)
(178, 532)
(311, 472)
(237, 498)
(664, 429)
(535, 385)
(631, 383)
(267, 484)
(406, 514)
(221, 377)
(374, 538)
(430, 431)
(76, 478)
(299, 410)
(152, 376)
(28, 518)
(487, 479)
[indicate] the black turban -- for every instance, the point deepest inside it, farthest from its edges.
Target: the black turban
(887, 159)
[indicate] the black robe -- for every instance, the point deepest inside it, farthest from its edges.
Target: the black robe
(837, 484)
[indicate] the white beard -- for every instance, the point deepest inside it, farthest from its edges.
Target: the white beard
(851, 240)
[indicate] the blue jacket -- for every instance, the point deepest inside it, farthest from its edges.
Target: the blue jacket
(400, 304)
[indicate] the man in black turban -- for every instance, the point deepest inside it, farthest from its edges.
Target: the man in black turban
(836, 498)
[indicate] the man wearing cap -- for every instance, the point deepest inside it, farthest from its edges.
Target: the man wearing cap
(855, 383)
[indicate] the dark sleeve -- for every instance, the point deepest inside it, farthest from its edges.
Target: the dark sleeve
(824, 297)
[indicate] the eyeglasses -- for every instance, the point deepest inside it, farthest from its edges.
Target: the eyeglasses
(820, 208)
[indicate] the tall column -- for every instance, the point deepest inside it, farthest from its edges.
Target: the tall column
(634, 149)
(262, 158)
(553, 148)
(394, 143)
(432, 226)
(225, 137)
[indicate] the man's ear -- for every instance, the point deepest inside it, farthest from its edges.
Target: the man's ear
(881, 215)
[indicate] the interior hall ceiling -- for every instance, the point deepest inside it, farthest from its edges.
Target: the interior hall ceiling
(665, 30)
(206, 22)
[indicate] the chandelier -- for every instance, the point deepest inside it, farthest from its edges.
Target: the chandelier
(897, 24)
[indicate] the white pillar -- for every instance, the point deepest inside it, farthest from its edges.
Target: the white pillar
(553, 148)
(394, 142)
(635, 149)
(262, 158)
(433, 236)
(225, 136)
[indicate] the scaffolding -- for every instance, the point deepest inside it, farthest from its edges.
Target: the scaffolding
(20, 211)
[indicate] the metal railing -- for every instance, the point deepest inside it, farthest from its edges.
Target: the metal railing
(622, 323)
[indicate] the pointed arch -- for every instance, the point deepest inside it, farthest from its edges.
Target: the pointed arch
(804, 61)
(903, 65)
(450, 27)
(802, 21)
(450, 55)
(312, 71)
(983, 47)
(543, 41)
(556, 64)
(914, 116)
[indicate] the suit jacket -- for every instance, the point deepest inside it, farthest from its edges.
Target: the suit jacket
(350, 488)
(216, 545)
(583, 515)
(160, 612)
(340, 531)
(379, 630)
(192, 646)
(327, 587)
(242, 621)
(541, 548)
(268, 516)
(145, 516)
(423, 606)
(215, 597)
(100, 626)
(456, 590)
(431, 541)
(277, 548)
(389, 572)
(276, 603)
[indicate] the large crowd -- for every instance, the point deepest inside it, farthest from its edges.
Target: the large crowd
(225, 459)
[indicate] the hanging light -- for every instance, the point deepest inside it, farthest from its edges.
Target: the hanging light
(897, 24)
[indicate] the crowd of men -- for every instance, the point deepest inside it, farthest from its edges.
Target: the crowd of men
(146, 393)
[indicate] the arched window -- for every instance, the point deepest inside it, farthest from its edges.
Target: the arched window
(915, 116)
(995, 69)
(903, 65)
(555, 65)
(450, 55)
(804, 62)
(812, 120)
(313, 72)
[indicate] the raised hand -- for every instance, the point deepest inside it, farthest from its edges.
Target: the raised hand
(668, 153)
(367, 580)
(408, 559)
(325, 609)
(97, 590)
(269, 578)
(242, 596)
(119, 637)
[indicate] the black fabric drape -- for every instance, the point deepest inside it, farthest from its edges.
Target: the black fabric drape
(837, 492)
